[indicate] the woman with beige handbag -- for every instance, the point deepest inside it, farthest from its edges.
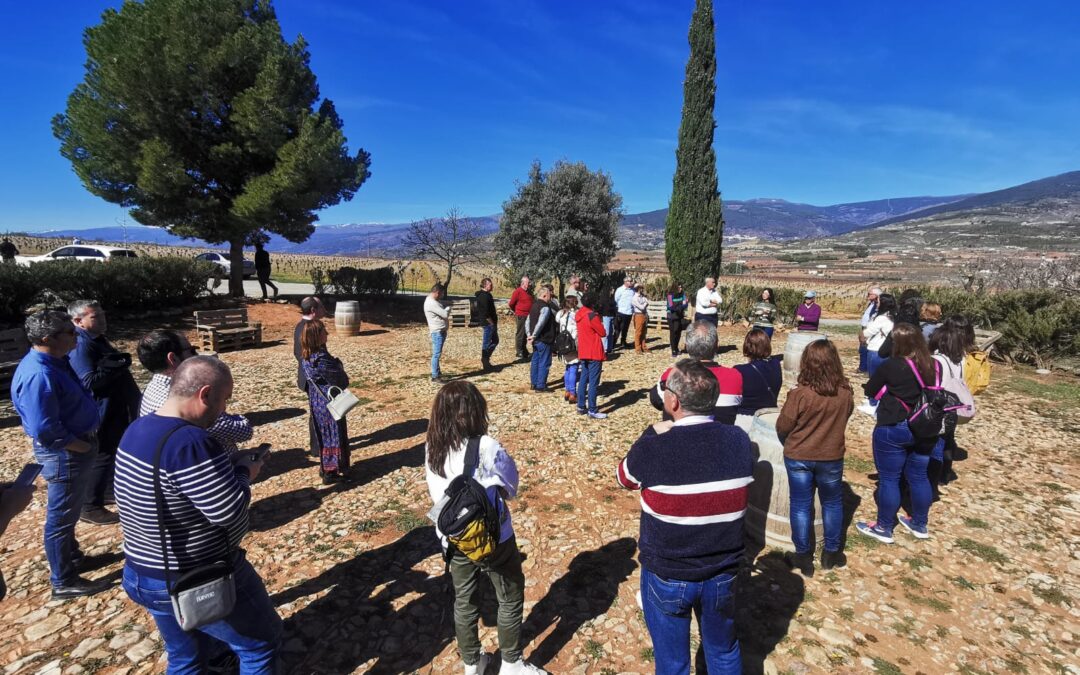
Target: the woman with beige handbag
(329, 398)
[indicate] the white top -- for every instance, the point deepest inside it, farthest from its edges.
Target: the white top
(437, 314)
(704, 297)
(495, 471)
(877, 331)
(640, 304)
(565, 321)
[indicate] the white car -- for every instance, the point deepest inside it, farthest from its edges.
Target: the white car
(79, 252)
(222, 260)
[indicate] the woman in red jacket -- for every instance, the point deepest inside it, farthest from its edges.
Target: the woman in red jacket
(590, 330)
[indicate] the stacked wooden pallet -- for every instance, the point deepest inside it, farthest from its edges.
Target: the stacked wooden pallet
(224, 329)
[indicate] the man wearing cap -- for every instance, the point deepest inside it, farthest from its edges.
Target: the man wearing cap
(707, 302)
(809, 313)
(867, 316)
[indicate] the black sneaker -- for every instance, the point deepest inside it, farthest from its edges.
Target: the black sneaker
(804, 562)
(831, 559)
(78, 589)
(99, 515)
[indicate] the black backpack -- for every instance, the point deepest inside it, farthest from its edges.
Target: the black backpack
(933, 407)
(564, 341)
(469, 520)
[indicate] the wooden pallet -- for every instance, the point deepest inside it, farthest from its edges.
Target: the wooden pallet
(13, 346)
(658, 314)
(461, 314)
(225, 329)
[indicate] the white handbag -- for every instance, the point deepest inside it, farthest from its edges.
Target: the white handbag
(341, 403)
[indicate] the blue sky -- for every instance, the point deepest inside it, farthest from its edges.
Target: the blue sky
(817, 102)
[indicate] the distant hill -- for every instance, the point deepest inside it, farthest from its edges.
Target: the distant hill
(1051, 202)
(780, 219)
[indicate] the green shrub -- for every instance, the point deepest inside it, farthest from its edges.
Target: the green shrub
(125, 284)
(351, 282)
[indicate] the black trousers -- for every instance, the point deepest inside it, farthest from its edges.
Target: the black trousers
(264, 281)
(675, 331)
(624, 326)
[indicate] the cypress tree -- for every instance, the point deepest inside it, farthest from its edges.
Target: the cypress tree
(695, 223)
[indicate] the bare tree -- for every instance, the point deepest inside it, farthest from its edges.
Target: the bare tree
(453, 240)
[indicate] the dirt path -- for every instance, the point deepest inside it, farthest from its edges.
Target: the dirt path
(356, 573)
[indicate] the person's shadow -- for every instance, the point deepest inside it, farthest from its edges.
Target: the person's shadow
(767, 595)
(593, 577)
(355, 621)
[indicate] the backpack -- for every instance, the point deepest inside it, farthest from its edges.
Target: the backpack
(977, 371)
(932, 407)
(953, 382)
(564, 341)
(468, 519)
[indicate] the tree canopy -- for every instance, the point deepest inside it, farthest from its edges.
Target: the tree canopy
(201, 118)
(694, 230)
(560, 223)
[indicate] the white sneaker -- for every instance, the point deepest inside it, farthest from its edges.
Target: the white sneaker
(480, 667)
(521, 668)
(868, 409)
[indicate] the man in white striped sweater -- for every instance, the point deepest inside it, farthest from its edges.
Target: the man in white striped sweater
(161, 352)
(206, 493)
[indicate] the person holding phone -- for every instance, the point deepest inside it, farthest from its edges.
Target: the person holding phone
(206, 493)
(14, 498)
(60, 416)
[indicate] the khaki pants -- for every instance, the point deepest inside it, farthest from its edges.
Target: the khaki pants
(504, 570)
(641, 326)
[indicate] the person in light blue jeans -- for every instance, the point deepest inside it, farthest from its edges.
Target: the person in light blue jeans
(253, 629)
(668, 606)
(438, 339)
(438, 320)
(68, 476)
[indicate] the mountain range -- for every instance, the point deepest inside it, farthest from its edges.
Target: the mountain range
(1054, 200)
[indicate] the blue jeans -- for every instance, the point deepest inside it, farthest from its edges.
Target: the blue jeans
(609, 339)
(668, 604)
(864, 354)
(828, 477)
(587, 383)
(540, 365)
(491, 340)
(570, 377)
(437, 341)
(69, 476)
(252, 631)
(895, 455)
(873, 362)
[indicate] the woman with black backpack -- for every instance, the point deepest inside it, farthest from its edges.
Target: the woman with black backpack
(457, 432)
(897, 451)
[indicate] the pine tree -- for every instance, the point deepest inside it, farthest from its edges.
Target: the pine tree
(695, 223)
(202, 119)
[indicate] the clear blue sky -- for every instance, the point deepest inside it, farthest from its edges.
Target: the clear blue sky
(817, 102)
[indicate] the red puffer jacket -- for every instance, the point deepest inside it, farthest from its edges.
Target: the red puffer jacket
(590, 330)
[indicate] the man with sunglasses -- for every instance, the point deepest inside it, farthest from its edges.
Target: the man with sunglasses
(60, 416)
(161, 352)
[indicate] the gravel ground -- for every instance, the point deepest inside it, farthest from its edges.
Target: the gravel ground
(355, 570)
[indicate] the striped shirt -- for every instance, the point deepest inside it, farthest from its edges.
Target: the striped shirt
(205, 495)
(694, 483)
(229, 430)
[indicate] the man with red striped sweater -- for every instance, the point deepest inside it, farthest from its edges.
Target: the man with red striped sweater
(693, 474)
(702, 344)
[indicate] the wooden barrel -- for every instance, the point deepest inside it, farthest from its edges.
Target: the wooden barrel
(796, 343)
(767, 513)
(347, 317)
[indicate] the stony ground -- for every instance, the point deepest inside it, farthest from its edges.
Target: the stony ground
(356, 573)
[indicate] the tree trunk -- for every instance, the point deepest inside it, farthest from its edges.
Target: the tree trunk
(236, 268)
(562, 290)
(449, 276)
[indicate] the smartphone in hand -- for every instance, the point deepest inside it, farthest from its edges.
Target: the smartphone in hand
(260, 452)
(27, 476)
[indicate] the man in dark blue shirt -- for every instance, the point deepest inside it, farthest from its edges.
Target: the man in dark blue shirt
(107, 374)
(61, 417)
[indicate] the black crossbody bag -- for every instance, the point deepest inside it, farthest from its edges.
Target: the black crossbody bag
(206, 593)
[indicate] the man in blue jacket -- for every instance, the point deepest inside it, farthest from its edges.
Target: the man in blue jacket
(60, 416)
(106, 372)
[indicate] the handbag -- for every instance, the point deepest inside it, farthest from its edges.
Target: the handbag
(341, 403)
(954, 382)
(206, 593)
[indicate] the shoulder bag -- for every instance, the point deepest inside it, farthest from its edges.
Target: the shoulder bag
(206, 593)
(339, 404)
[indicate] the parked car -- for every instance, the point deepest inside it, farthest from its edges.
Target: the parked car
(79, 252)
(222, 260)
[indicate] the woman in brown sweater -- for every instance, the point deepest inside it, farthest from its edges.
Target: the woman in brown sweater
(811, 426)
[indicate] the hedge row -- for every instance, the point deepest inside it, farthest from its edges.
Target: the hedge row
(125, 284)
(352, 282)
